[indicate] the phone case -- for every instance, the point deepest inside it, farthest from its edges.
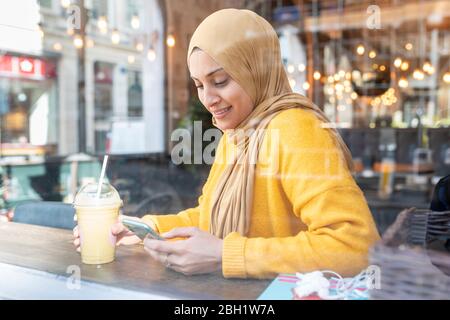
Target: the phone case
(141, 229)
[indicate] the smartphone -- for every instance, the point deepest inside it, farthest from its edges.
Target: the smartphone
(141, 229)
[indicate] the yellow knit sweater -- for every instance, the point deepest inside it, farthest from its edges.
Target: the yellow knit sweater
(308, 213)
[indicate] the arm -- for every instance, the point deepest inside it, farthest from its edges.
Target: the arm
(339, 228)
(338, 237)
(165, 223)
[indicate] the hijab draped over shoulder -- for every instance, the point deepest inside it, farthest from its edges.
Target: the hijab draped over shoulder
(247, 47)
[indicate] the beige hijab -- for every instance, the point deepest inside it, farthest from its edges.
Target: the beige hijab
(248, 49)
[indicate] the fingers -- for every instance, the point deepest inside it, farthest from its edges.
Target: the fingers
(164, 247)
(118, 228)
(181, 232)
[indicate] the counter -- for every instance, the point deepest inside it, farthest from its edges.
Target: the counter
(41, 263)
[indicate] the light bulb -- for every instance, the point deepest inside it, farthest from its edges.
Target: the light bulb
(115, 37)
(57, 46)
(360, 50)
(78, 42)
(404, 66)
(140, 46)
(65, 3)
(170, 41)
(397, 62)
(317, 75)
(446, 77)
(372, 54)
(102, 24)
(418, 74)
(403, 82)
(135, 22)
(290, 69)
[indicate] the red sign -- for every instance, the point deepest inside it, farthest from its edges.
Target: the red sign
(26, 67)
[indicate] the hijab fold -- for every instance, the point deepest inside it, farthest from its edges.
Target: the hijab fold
(247, 47)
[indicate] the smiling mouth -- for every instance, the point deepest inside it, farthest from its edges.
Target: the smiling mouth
(221, 112)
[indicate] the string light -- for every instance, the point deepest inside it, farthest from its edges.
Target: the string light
(428, 68)
(397, 62)
(301, 67)
(57, 46)
(446, 77)
(290, 69)
(404, 66)
(418, 74)
(306, 86)
(115, 37)
(360, 50)
(65, 3)
(78, 42)
(170, 41)
(102, 24)
(135, 22)
(409, 46)
(317, 75)
(372, 54)
(403, 82)
(140, 46)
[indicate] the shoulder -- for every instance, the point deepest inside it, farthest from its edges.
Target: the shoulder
(298, 126)
(294, 116)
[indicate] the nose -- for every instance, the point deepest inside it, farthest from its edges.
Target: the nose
(210, 97)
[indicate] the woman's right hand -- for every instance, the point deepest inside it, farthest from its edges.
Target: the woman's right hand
(122, 234)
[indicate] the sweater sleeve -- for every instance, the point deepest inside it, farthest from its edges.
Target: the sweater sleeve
(339, 227)
(165, 223)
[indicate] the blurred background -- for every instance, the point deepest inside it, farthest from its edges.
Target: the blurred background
(81, 79)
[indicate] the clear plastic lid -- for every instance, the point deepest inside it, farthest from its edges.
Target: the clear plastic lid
(87, 196)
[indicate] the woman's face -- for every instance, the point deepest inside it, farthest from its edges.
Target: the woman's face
(218, 92)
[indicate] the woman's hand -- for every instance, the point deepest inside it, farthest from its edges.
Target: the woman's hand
(200, 253)
(122, 234)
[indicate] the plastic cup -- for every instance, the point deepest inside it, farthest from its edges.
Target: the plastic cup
(95, 216)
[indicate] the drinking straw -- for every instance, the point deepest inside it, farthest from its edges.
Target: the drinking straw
(102, 176)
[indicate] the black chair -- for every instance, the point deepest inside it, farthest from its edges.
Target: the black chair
(441, 199)
(45, 213)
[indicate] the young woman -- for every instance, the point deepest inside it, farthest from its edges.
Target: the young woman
(280, 198)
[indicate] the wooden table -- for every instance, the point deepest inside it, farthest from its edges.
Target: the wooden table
(41, 263)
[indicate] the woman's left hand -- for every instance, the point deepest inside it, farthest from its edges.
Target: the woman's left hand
(200, 253)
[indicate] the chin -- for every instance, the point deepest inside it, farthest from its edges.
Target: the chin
(225, 125)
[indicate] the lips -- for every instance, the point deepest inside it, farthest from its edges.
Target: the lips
(221, 113)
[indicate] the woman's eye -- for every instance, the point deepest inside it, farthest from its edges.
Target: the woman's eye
(222, 83)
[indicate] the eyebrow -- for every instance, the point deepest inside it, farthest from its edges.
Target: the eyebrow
(212, 72)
